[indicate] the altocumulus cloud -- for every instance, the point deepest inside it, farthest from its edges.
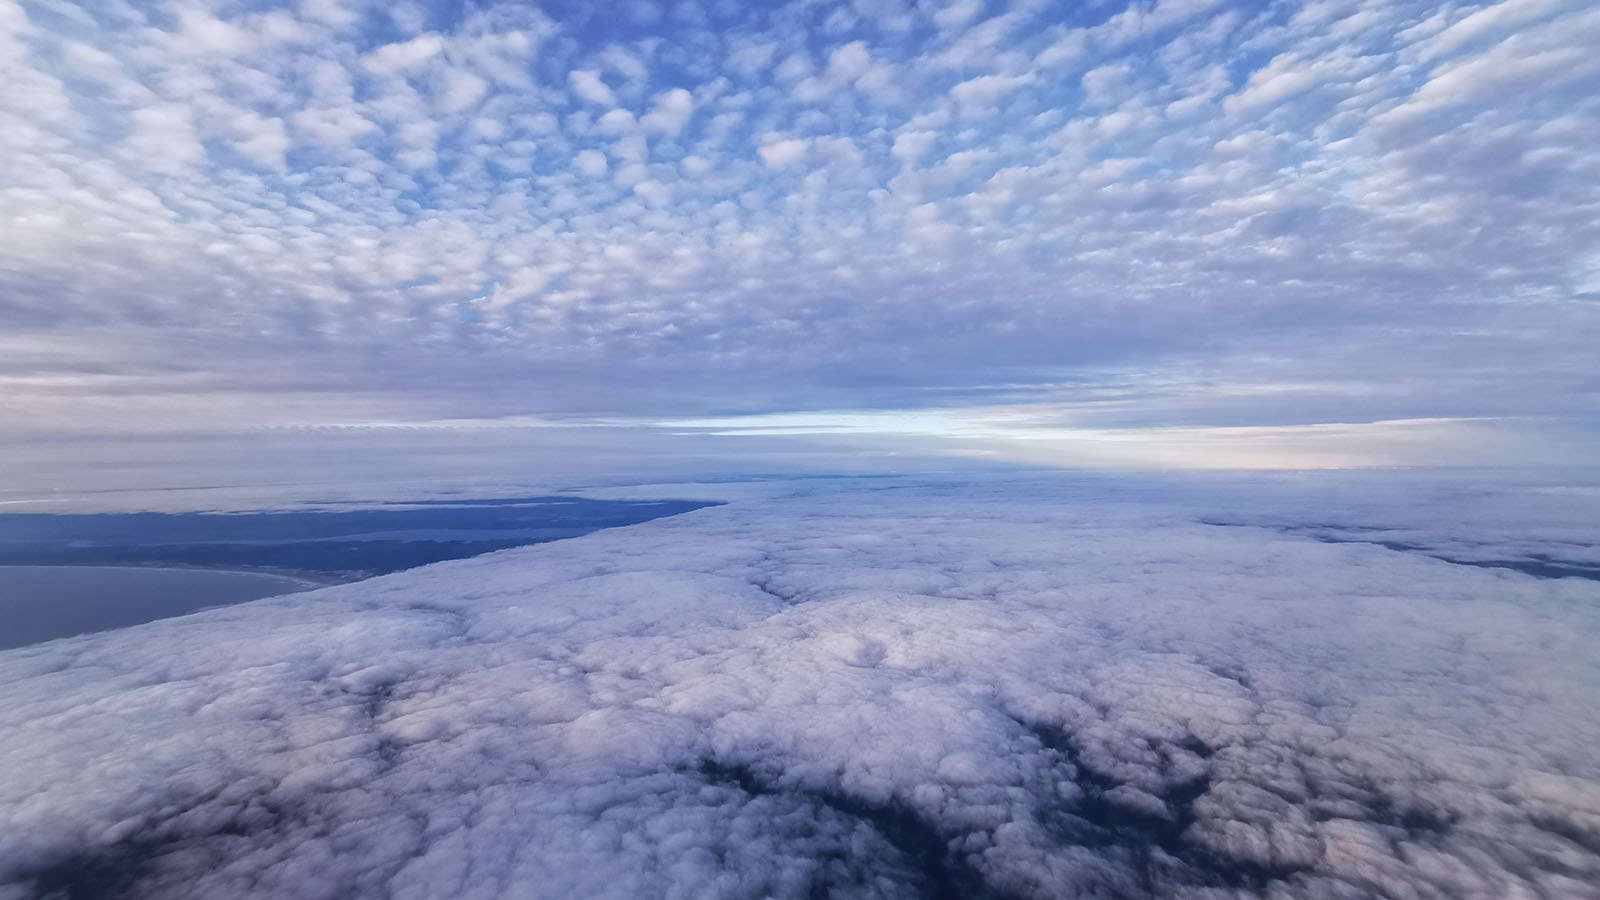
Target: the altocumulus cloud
(1341, 212)
(1048, 688)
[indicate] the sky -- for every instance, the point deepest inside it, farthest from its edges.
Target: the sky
(1180, 233)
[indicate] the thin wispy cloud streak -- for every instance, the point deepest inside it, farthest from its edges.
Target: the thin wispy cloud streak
(1185, 213)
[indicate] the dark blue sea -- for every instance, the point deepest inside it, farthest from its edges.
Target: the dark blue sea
(66, 574)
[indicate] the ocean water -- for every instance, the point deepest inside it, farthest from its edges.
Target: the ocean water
(42, 603)
(66, 574)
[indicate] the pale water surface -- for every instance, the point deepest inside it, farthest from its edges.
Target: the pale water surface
(42, 603)
(66, 574)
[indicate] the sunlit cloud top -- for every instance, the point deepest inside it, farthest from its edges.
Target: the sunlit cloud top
(1186, 214)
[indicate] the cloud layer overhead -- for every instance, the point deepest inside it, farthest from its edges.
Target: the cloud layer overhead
(862, 688)
(1185, 213)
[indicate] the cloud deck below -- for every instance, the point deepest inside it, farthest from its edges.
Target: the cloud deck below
(1029, 689)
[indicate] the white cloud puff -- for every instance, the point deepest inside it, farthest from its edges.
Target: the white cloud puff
(590, 162)
(781, 152)
(986, 89)
(586, 83)
(672, 111)
(403, 55)
(164, 138)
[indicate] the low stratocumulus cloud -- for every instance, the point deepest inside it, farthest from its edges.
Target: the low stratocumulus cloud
(1057, 687)
(1335, 213)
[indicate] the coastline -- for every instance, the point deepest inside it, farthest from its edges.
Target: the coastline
(43, 603)
(306, 580)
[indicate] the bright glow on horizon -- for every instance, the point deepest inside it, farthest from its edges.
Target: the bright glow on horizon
(1044, 436)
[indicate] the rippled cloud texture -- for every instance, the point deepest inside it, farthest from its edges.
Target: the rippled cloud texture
(1185, 213)
(861, 688)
